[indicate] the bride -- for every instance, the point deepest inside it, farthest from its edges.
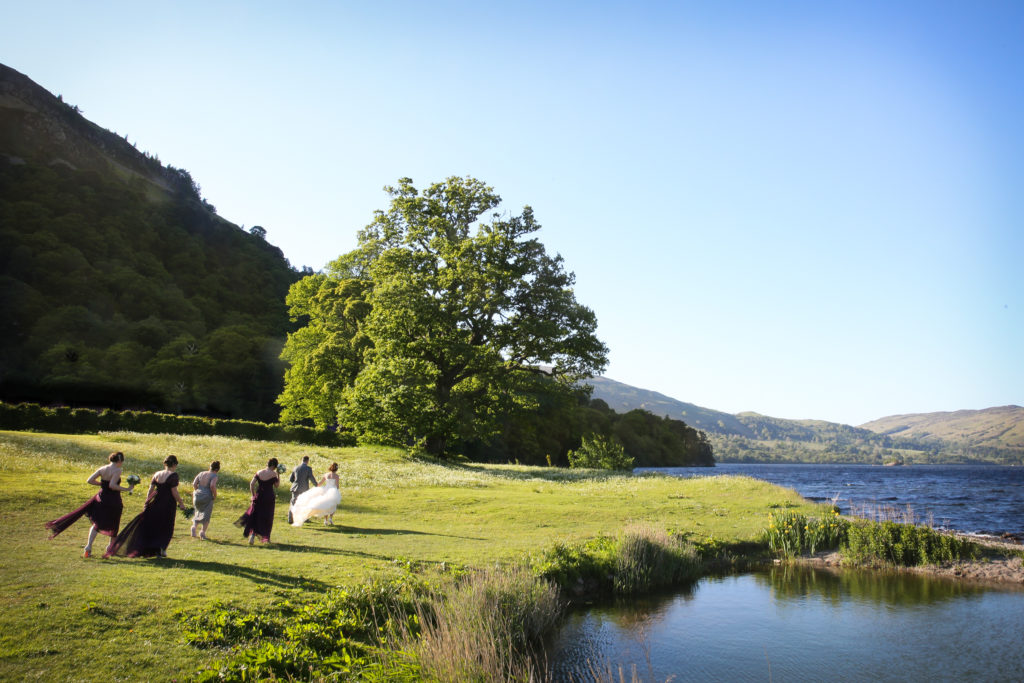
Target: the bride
(320, 501)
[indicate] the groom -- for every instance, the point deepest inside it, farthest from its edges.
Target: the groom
(301, 478)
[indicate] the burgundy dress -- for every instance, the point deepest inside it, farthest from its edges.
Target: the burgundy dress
(103, 509)
(259, 518)
(152, 529)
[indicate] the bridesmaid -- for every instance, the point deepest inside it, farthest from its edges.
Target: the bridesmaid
(103, 509)
(149, 534)
(258, 520)
(204, 492)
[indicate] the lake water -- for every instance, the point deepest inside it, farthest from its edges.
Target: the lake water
(982, 499)
(801, 624)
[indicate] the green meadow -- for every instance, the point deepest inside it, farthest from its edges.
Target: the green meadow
(64, 617)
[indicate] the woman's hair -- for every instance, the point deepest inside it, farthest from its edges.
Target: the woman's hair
(215, 466)
(333, 467)
(170, 461)
(272, 463)
(116, 456)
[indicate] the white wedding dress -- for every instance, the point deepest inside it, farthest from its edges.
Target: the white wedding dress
(319, 501)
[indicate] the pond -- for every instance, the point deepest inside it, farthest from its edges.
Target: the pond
(801, 624)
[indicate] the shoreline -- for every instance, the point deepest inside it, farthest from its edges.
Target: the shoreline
(1005, 572)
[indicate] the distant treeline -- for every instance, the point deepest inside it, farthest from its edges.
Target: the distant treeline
(64, 420)
(559, 426)
(109, 282)
(732, 448)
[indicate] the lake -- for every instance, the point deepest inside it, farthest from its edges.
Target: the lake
(980, 499)
(800, 624)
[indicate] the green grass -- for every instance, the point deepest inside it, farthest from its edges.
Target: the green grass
(67, 618)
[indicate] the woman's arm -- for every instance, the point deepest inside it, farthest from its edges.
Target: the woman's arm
(116, 485)
(213, 487)
(94, 478)
(174, 492)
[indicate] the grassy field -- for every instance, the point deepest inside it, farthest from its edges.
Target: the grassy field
(68, 618)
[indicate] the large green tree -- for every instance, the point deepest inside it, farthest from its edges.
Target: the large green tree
(463, 310)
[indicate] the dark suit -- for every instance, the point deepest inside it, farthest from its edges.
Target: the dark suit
(302, 479)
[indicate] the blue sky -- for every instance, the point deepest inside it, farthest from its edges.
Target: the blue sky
(807, 210)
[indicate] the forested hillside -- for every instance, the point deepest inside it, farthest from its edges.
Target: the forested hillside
(993, 435)
(119, 284)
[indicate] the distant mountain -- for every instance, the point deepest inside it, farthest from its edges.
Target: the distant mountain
(996, 428)
(992, 435)
(623, 398)
(119, 284)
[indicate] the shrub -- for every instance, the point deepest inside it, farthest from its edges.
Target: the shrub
(600, 453)
(647, 559)
(903, 545)
(62, 420)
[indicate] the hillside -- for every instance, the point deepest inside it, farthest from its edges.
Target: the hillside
(119, 284)
(991, 428)
(992, 435)
(623, 398)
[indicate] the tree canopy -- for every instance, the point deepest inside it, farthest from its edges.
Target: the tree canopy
(438, 324)
(112, 296)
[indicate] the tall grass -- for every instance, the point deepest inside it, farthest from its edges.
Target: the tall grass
(790, 534)
(488, 628)
(650, 558)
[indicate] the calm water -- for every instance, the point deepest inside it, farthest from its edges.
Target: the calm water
(984, 499)
(800, 624)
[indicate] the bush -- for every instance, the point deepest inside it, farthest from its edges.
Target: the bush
(639, 560)
(62, 420)
(648, 559)
(600, 453)
(903, 545)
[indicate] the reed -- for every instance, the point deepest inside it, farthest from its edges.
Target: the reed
(648, 558)
(488, 628)
(790, 534)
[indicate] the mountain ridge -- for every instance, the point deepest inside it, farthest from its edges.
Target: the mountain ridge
(990, 434)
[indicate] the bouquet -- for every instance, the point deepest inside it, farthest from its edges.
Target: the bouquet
(281, 469)
(132, 479)
(188, 513)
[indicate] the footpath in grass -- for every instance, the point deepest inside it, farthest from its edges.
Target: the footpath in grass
(68, 618)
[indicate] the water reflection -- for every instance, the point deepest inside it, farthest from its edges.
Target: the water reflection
(885, 589)
(794, 623)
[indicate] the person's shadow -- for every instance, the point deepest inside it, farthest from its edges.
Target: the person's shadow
(342, 529)
(260, 576)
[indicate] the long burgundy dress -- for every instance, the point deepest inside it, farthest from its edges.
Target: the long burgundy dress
(103, 510)
(152, 529)
(259, 518)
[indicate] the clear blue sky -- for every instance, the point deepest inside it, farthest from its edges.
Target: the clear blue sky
(808, 210)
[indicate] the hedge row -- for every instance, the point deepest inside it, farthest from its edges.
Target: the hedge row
(33, 417)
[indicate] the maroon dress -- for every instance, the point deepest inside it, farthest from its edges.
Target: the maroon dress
(103, 510)
(152, 529)
(259, 518)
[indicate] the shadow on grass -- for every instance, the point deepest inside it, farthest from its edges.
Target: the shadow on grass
(260, 576)
(342, 529)
(305, 548)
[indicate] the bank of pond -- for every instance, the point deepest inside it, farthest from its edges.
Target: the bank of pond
(599, 610)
